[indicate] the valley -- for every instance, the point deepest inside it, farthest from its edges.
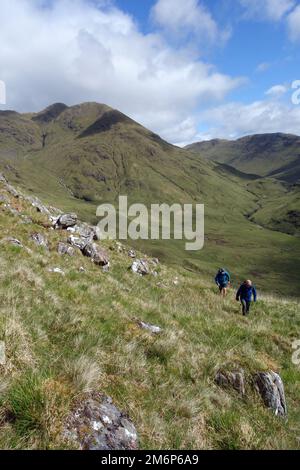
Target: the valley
(92, 154)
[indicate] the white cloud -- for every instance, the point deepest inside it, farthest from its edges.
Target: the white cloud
(263, 67)
(188, 16)
(277, 91)
(233, 120)
(73, 52)
(293, 21)
(273, 10)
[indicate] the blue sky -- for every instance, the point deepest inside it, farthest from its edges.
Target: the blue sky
(189, 70)
(252, 43)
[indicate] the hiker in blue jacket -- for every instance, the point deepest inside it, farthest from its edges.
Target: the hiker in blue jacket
(222, 280)
(245, 294)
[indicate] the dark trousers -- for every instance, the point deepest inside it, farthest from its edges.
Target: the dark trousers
(246, 306)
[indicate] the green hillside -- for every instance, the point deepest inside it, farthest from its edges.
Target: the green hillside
(274, 155)
(73, 332)
(77, 157)
(272, 162)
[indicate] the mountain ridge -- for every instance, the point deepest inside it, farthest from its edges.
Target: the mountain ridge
(275, 154)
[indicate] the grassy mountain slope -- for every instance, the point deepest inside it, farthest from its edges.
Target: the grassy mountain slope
(278, 205)
(271, 157)
(276, 155)
(88, 154)
(67, 335)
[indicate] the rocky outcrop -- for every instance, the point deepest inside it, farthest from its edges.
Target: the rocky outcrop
(97, 424)
(271, 389)
(39, 240)
(268, 384)
(82, 234)
(86, 231)
(234, 379)
(66, 220)
(77, 242)
(64, 249)
(97, 254)
(140, 267)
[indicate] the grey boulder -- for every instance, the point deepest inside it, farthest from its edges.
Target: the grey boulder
(97, 254)
(39, 240)
(271, 389)
(234, 379)
(77, 242)
(96, 424)
(64, 249)
(66, 220)
(140, 267)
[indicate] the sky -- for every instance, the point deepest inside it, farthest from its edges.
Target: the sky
(189, 70)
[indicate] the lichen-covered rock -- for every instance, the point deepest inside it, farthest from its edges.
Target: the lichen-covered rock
(270, 387)
(39, 240)
(234, 379)
(83, 235)
(66, 220)
(96, 424)
(64, 249)
(97, 254)
(140, 267)
(77, 242)
(85, 231)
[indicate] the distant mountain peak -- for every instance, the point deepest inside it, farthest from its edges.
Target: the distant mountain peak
(50, 113)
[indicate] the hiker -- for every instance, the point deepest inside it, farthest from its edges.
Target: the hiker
(222, 280)
(245, 294)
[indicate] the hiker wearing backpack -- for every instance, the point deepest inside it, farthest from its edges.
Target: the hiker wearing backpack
(222, 280)
(245, 294)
